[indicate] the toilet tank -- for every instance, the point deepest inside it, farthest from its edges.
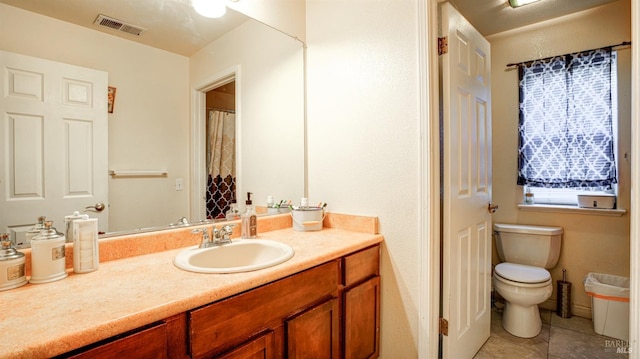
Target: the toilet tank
(530, 245)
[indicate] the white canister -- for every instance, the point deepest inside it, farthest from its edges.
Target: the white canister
(12, 265)
(37, 228)
(68, 224)
(86, 257)
(47, 256)
(307, 218)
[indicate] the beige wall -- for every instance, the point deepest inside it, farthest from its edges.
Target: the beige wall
(590, 243)
(287, 16)
(149, 128)
(270, 113)
(364, 140)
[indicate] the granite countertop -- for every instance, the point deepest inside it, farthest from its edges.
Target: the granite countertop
(43, 320)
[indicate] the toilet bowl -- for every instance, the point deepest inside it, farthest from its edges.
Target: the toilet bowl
(523, 288)
(522, 278)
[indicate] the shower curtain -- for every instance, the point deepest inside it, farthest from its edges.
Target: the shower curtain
(221, 163)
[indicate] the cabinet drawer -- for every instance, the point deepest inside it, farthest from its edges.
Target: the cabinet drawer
(361, 265)
(229, 322)
(147, 343)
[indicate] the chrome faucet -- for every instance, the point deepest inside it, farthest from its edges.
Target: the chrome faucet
(206, 239)
(220, 236)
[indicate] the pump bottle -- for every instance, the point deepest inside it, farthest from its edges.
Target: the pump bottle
(249, 219)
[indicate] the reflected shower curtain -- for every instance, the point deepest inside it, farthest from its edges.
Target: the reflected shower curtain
(221, 163)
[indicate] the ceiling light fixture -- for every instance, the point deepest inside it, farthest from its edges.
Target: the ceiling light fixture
(210, 8)
(518, 3)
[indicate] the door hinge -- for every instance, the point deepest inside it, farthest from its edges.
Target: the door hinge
(444, 327)
(443, 45)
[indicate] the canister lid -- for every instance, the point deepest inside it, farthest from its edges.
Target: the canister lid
(7, 252)
(48, 233)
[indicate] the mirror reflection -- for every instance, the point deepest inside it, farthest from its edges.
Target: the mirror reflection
(157, 129)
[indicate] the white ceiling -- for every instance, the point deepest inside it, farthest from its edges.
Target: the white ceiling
(174, 26)
(171, 25)
(495, 16)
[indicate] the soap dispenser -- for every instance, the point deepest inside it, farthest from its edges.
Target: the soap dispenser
(249, 219)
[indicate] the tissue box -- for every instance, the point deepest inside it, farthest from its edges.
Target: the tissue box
(604, 201)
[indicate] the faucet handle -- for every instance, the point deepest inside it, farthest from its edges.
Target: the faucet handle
(227, 231)
(206, 240)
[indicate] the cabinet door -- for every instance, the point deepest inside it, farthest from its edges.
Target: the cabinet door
(221, 326)
(259, 348)
(362, 320)
(314, 334)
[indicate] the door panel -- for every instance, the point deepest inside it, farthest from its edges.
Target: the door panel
(54, 127)
(466, 175)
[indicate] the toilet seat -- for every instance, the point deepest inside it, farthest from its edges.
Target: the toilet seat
(520, 273)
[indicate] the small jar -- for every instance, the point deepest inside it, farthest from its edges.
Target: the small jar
(47, 256)
(528, 197)
(12, 265)
(233, 213)
(271, 205)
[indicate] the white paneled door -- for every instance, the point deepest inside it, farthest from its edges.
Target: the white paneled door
(53, 158)
(466, 175)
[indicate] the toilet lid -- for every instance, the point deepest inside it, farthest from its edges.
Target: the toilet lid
(522, 273)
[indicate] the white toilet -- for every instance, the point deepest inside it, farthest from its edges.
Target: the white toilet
(521, 279)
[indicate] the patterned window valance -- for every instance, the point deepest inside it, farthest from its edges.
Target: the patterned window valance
(566, 137)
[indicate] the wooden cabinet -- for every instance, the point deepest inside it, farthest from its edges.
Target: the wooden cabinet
(223, 326)
(329, 311)
(315, 333)
(361, 304)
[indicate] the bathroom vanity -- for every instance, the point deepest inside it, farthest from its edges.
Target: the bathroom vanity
(323, 302)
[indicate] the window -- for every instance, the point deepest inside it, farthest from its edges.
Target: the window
(568, 126)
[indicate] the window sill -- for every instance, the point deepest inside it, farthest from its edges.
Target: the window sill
(571, 209)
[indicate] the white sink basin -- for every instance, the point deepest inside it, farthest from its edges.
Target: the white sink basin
(241, 255)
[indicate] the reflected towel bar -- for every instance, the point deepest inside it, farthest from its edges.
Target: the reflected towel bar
(135, 173)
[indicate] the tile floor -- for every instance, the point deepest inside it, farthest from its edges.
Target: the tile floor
(564, 338)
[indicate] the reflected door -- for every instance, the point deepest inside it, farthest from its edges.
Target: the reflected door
(54, 142)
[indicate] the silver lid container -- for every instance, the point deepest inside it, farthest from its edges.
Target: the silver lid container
(48, 256)
(12, 265)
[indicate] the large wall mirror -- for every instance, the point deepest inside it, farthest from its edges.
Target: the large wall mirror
(159, 115)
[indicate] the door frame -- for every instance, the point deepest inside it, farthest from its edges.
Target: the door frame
(634, 250)
(429, 247)
(429, 288)
(198, 180)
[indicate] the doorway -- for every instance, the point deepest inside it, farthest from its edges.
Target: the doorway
(228, 98)
(220, 149)
(428, 332)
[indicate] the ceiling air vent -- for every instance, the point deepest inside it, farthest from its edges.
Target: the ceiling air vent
(118, 25)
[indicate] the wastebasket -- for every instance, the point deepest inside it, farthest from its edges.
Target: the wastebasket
(609, 304)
